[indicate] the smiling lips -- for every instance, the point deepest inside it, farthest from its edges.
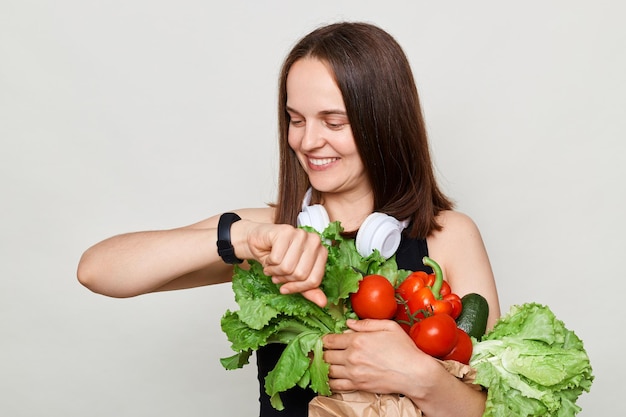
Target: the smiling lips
(320, 163)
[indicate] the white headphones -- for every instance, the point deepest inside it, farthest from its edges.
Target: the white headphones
(378, 231)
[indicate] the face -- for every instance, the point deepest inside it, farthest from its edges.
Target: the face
(319, 129)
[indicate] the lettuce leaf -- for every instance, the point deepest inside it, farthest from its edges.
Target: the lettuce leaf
(267, 316)
(532, 365)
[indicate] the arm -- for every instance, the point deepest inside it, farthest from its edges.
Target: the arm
(460, 251)
(136, 263)
(130, 264)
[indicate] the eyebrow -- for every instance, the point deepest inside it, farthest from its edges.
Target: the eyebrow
(323, 112)
(339, 112)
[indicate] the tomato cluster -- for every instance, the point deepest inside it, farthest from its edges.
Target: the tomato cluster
(424, 305)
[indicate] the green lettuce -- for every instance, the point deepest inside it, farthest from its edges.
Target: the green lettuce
(267, 316)
(532, 365)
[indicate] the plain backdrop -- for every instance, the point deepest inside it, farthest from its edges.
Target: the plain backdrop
(125, 115)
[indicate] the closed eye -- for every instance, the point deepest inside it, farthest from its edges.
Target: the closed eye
(335, 126)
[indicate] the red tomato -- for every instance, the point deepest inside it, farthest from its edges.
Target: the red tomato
(411, 284)
(375, 298)
(462, 351)
(435, 335)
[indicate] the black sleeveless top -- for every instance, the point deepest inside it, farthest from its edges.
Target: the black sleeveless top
(296, 400)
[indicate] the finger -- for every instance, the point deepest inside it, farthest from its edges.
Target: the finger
(371, 325)
(337, 372)
(317, 296)
(341, 385)
(275, 262)
(262, 238)
(307, 276)
(294, 284)
(296, 261)
(319, 267)
(337, 341)
(269, 243)
(284, 244)
(339, 357)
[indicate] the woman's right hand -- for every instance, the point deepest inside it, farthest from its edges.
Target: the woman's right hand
(293, 257)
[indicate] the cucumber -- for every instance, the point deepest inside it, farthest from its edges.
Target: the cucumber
(474, 315)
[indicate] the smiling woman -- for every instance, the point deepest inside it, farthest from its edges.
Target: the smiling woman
(320, 134)
(143, 115)
(364, 73)
(351, 132)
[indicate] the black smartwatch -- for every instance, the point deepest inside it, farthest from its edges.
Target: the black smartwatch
(224, 245)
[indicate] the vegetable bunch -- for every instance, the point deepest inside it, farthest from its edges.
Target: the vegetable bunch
(532, 365)
(267, 316)
(529, 362)
(425, 307)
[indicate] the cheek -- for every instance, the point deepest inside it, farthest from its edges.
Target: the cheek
(292, 140)
(347, 146)
(294, 144)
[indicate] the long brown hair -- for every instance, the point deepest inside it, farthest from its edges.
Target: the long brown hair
(382, 105)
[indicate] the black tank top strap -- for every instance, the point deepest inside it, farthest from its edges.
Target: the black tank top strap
(410, 253)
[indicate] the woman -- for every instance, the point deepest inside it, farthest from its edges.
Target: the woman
(351, 130)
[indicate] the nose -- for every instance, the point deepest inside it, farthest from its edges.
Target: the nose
(312, 137)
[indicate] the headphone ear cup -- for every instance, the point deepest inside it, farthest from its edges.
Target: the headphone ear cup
(379, 231)
(314, 216)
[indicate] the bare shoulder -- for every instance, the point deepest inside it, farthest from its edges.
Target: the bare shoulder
(458, 233)
(259, 214)
(458, 242)
(456, 225)
(460, 251)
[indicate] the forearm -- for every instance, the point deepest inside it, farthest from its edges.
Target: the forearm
(136, 263)
(443, 395)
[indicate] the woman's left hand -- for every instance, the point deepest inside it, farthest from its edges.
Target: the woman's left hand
(377, 356)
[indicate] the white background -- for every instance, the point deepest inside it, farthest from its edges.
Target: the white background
(126, 115)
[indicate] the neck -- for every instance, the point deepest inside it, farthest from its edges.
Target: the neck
(350, 209)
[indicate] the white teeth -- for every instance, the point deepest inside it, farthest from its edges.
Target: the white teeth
(319, 162)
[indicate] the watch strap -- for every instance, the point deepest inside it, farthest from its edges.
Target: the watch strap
(224, 245)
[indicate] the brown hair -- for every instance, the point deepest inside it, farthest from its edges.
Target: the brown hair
(382, 105)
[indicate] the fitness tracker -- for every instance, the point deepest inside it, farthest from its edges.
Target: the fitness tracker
(224, 245)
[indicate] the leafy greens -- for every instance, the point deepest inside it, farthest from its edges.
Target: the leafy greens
(267, 316)
(532, 365)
